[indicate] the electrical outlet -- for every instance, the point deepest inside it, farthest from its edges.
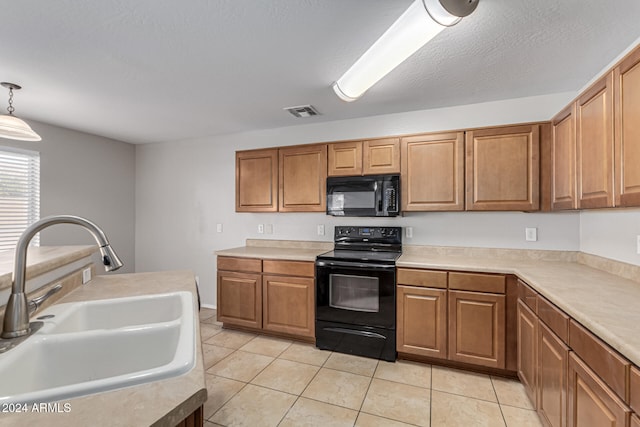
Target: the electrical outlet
(218, 228)
(638, 244)
(321, 230)
(531, 234)
(268, 228)
(408, 232)
(260, 228)
(86, 275)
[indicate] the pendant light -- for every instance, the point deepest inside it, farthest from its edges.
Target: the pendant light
(421, 22)
(12, 127)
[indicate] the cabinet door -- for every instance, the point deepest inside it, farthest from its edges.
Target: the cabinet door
(257, 181)
(553, 365)
(345, 158)
(433, 172)
(591, 402)
(477, 328)
(563, 160)
(594, 145)
(627, 136)
(240, 299)
(503, 168)
(381, 156)
(528, 351)
(303, 178)
(422, 321)
(635, 421)
(289, 305)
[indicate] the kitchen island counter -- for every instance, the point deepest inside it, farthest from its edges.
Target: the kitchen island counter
(160, 403)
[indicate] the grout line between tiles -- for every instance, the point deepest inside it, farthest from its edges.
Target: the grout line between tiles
(504, 420)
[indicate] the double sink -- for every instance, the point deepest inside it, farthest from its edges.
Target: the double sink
(96, 346)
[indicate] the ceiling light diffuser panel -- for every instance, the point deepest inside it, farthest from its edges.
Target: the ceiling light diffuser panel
(421, 22)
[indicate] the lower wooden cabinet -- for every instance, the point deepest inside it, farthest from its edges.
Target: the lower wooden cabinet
(553, 365)
(477, 328)
(195, 419)
(288, 305)
(240, 299)
(422, 321)
(635, 421)
(591, 402)
(268, 295)
(528, 351)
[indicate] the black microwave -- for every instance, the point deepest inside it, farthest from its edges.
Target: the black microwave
(372, 195)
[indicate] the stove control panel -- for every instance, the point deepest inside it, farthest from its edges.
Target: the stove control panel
(355, 234)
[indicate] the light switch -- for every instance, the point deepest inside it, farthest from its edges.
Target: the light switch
(321, 230)
(531, 234)
(638, 245)
(218, 228)
(260, 228)
(268, 228)
(86, 275)
(408, 232)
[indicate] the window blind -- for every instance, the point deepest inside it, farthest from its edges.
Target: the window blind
(19, 194)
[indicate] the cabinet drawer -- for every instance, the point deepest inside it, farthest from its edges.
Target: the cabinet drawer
(289, 268)
(424, 278)
(239, 264)
(609, 366)
(554, 318)
(491, 283)
(634, 389)
(528, 296)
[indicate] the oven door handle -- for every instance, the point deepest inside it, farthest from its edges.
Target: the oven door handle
(355, 332)
(355, 265)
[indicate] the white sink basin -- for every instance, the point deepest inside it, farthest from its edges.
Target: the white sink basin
(98, 346)
(118, 313)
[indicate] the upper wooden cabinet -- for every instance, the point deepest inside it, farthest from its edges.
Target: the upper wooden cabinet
(503, 168)
(432, 176)
(302, 173)
(375, 157)
(563, 160)
(627, 130)
(345, 158)
(381, 156)
(257, 181)
(594, 145)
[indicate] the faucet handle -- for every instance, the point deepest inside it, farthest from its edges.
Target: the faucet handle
(35, 303)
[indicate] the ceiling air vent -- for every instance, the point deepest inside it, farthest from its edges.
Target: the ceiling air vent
(303, 111)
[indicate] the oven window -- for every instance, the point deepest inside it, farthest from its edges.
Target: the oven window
(356, 293)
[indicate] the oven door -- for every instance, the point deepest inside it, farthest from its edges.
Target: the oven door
(356, 293)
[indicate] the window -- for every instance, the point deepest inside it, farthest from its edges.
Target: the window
(19, 194)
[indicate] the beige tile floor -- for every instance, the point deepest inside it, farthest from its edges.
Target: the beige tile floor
(255, 380)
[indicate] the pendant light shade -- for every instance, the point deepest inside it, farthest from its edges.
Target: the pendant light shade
(422, 21)
(11, 127)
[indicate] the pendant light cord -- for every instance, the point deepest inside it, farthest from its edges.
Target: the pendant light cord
(10, 108)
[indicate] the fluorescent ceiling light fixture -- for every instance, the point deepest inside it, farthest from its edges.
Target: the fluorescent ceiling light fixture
(421, 22)
(12, 127)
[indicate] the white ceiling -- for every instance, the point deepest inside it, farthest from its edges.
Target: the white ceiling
(158, 70)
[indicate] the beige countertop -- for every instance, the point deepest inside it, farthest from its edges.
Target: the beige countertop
(274, 249)
(159, 403)
(605, 303)
(42, 259)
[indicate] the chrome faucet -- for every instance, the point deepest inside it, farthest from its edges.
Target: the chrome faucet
(16, 314)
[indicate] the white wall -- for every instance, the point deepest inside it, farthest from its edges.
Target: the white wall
(611, 234)
(184, 189)
(89, 176)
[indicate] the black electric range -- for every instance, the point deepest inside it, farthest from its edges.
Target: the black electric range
(356, 292)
